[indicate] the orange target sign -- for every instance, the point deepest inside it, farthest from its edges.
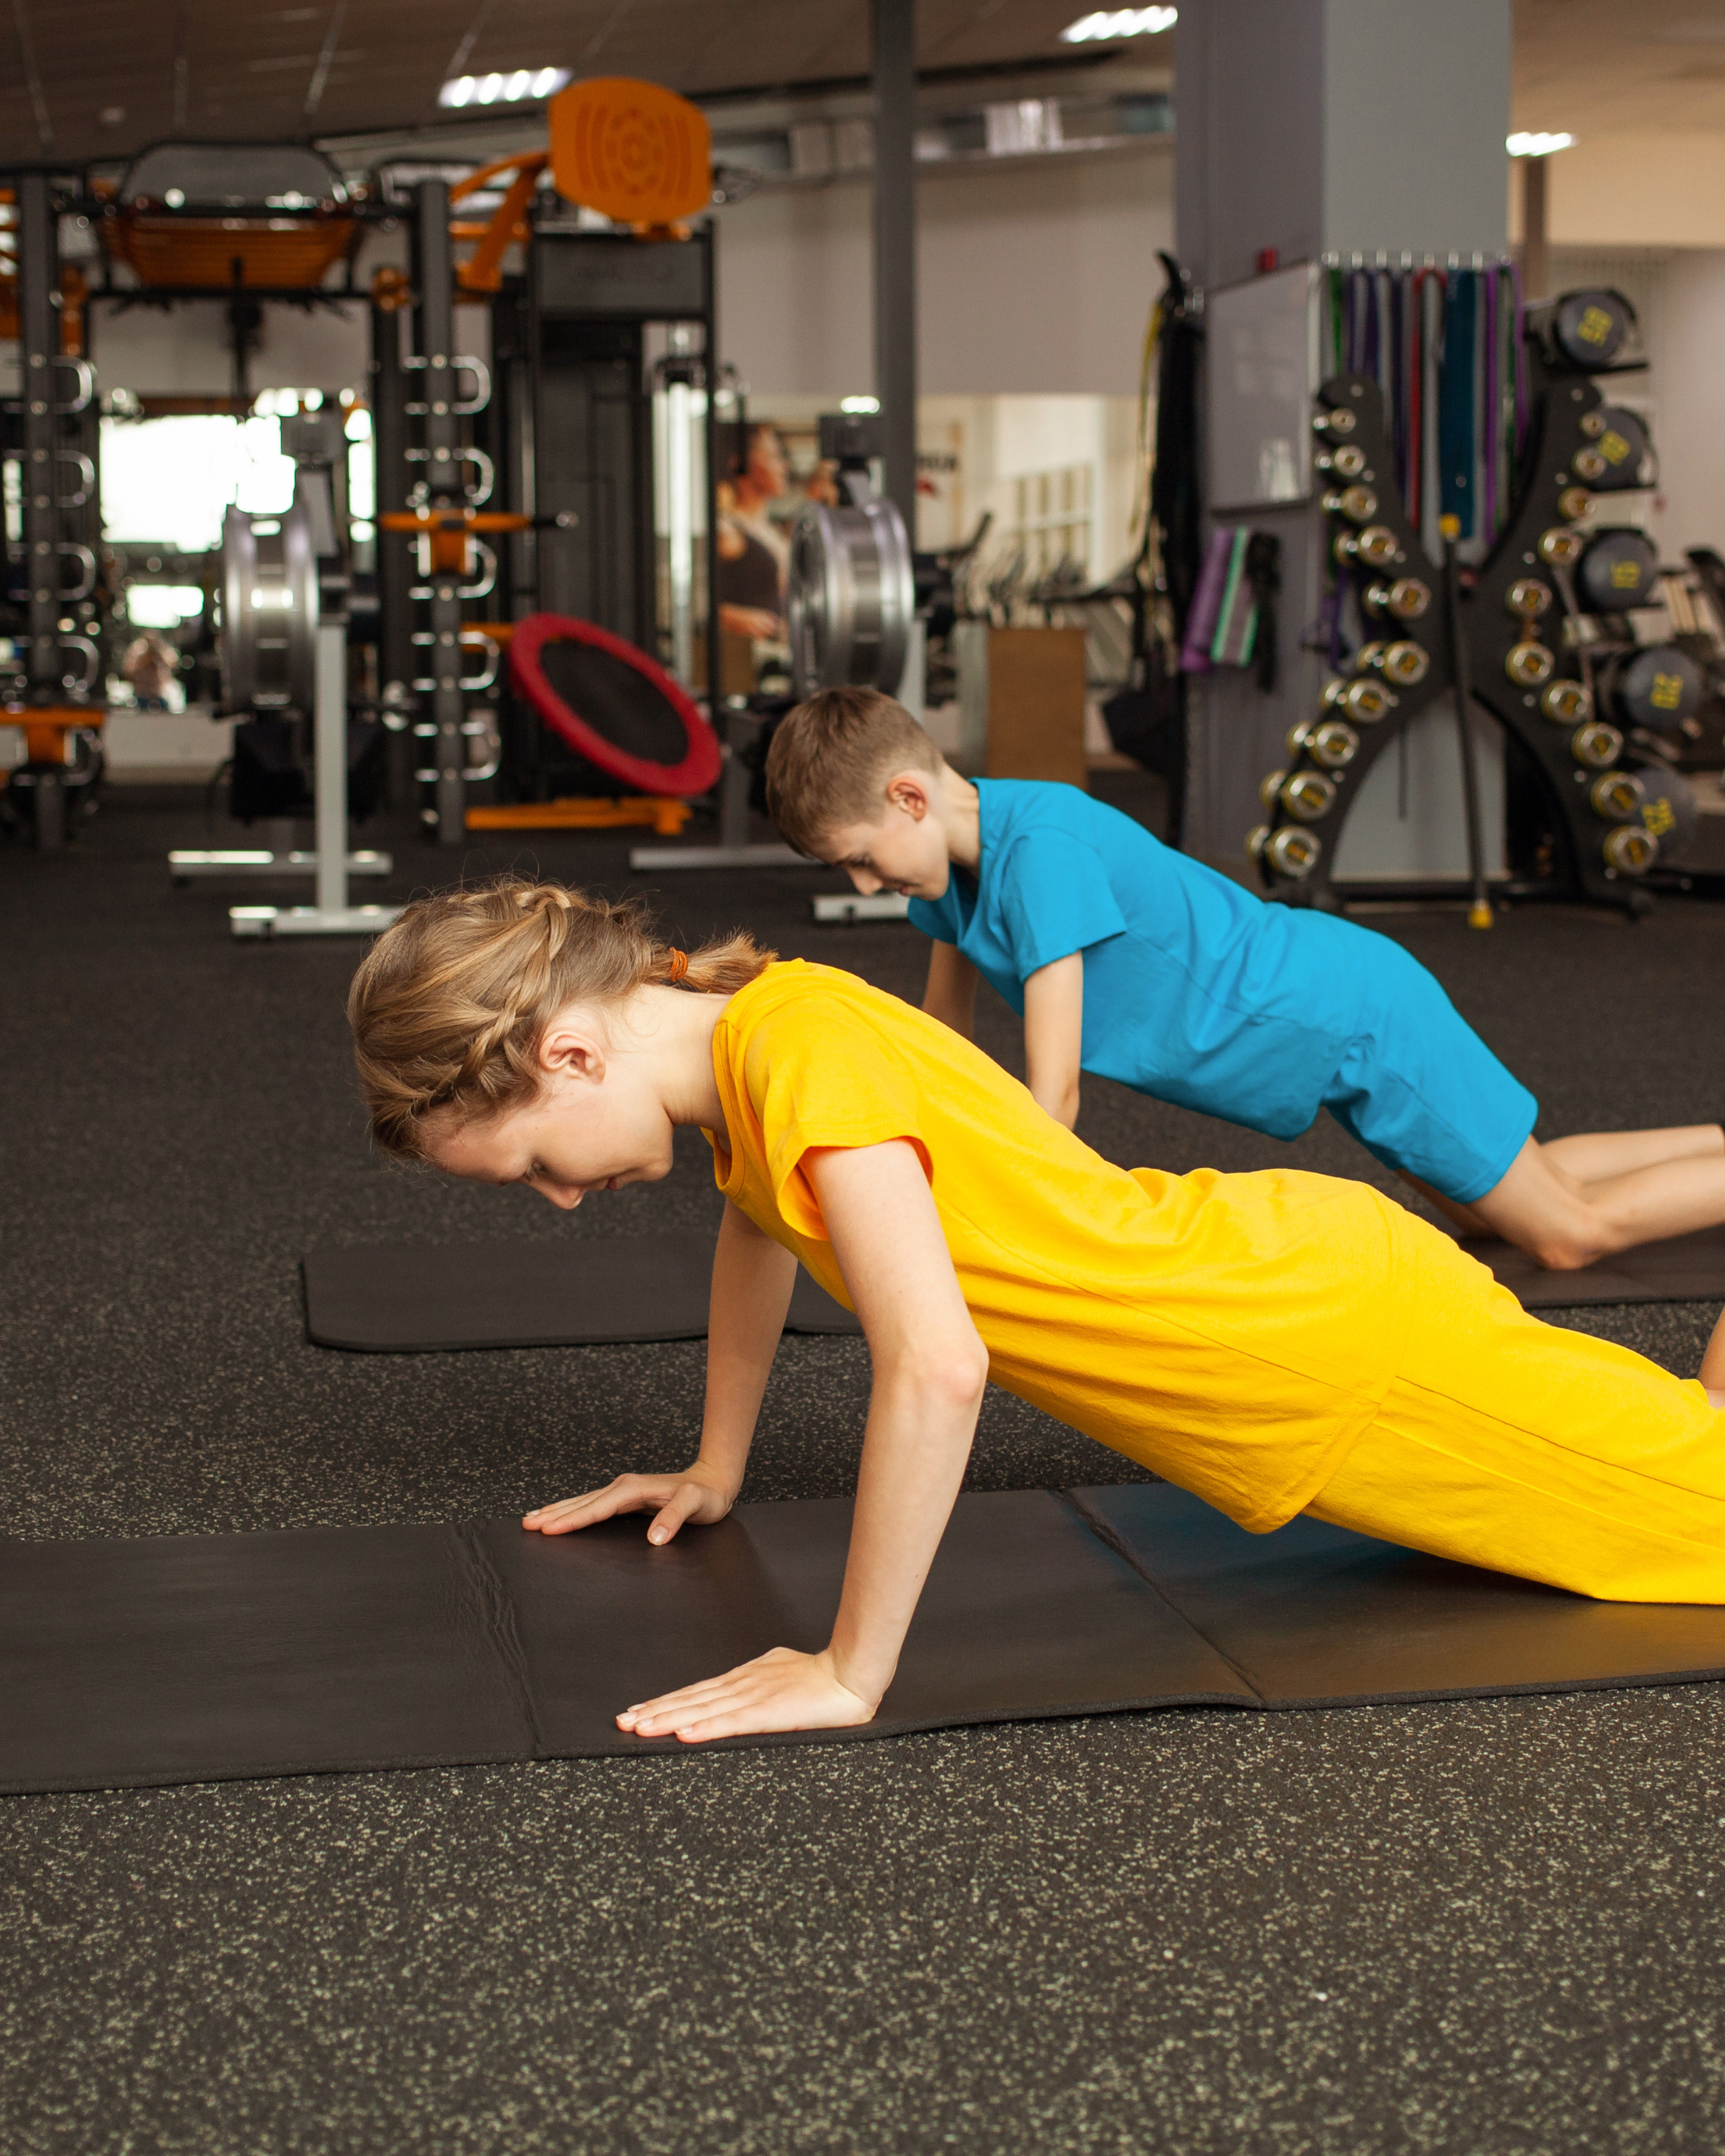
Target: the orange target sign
(633, 152)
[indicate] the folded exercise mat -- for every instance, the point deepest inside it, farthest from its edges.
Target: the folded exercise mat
(402, 1297)
(1686, 1269)
(205, 1658)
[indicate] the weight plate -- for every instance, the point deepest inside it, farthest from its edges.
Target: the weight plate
(1269, 786)
(1658, 687)
(1560, 547)
(851, 598)
(1377, 546)
(1591, 327)
(1337, 420)
(269, 611)
(1347, 462)
(1619, 570)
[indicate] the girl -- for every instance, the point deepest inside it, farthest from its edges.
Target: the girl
(1276, 1342)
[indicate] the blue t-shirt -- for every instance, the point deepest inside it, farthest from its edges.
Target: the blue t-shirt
(1194, 990)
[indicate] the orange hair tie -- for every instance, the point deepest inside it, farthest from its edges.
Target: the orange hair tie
(679, 966)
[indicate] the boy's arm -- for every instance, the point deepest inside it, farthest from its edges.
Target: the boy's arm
(951, 993)
(1054, 1035)
(931, 1369)
(753, 1280)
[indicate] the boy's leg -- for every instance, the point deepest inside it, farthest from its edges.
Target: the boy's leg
(1595, 1156)
(1527, 1449)
(1567, 1224)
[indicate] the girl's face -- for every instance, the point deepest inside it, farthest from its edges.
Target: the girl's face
(595, 1124)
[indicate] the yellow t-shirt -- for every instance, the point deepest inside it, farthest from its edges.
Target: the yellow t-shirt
(1234, 1333)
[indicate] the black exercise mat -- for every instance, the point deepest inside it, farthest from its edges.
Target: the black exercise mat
(404, 1297)
(1685, 1269)
(179, 1659)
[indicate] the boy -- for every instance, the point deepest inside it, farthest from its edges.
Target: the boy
(1135, 963)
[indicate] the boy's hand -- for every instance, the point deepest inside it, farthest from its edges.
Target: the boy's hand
(697, 1494)
(778, 1689)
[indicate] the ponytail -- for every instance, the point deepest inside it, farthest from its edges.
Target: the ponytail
(451, 1004)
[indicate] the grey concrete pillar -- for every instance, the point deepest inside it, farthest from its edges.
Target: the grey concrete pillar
(1314, 128)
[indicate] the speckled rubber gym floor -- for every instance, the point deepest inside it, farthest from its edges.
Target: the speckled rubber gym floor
(1489, 1928)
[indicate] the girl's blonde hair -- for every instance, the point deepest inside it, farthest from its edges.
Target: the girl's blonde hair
(449, 1006)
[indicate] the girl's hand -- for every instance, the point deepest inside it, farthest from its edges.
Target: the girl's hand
(778, 1689)
(697, 1494)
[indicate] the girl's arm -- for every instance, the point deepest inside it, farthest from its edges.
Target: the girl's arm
(1054, 1035)
(1712, 1364)
(753, 1280)
(931, 1369)
(951, 993)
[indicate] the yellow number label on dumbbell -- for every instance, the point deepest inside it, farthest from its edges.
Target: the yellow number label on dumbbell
(1659, 816)
(1595, 327)
(1612, 447)
(1666, 692)
(1625, 576)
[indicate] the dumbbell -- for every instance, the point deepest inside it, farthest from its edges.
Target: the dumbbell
(1406, 600)
(1290, 851)
(1330, 742)
(1618, 570)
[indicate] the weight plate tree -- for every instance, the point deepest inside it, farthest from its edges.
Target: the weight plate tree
(1551, 654)
(1400, 672)
(1543, 606)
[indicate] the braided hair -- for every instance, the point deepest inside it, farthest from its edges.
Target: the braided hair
(449, 1006)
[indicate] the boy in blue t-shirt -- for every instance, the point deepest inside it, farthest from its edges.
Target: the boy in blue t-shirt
(1136, 962)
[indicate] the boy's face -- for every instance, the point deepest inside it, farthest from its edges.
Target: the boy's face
(904, 851)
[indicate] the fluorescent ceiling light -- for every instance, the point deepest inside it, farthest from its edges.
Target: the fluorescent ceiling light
(1538, 146)
(859, 403)
(522, 87)
(1119, 23)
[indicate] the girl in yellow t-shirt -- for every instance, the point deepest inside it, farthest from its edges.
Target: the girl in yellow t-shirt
(1277, 1343)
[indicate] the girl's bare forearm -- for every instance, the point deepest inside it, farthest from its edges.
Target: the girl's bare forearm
(919, 1436)
(753, 1280)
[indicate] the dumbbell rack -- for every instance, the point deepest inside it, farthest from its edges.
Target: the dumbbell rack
(1611, 817)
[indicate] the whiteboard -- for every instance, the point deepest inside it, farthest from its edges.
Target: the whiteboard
(1261, 352)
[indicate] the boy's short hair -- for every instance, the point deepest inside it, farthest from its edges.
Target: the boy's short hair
(830, 759)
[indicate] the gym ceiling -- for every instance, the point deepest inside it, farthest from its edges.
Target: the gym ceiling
(84, 80)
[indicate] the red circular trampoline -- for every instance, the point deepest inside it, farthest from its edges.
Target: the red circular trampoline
(614, 705)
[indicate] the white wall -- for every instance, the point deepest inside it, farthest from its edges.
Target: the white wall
(1033, 281)
(1688, 383)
